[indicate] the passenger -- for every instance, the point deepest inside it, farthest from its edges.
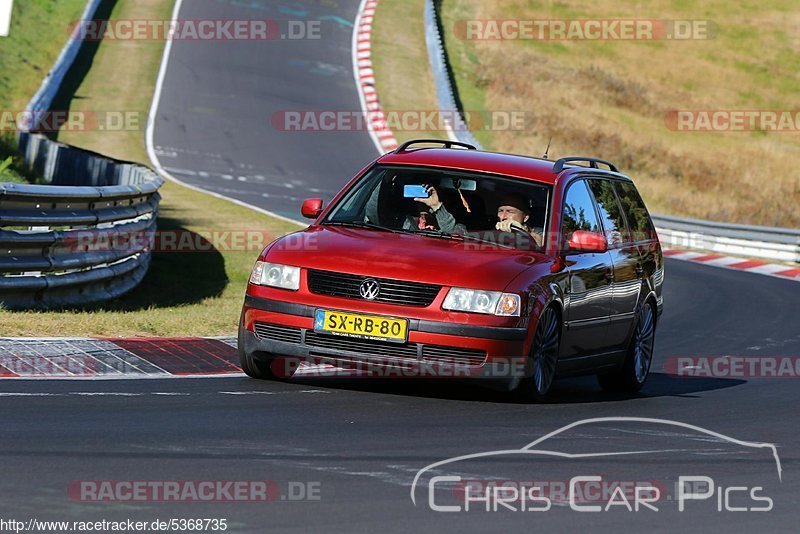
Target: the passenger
(435, 210)
(514, 211)
(432, 215)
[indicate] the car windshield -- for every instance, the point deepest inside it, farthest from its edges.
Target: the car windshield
(437, 203)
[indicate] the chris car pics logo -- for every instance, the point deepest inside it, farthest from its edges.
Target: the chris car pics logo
(5, 17)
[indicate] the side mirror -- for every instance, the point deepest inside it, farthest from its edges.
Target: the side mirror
(583, 241)
(312, 207)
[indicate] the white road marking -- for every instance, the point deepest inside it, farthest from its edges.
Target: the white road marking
(273, 392)
(150, 133)
(3, 394)
(768, 268)
(723, 261)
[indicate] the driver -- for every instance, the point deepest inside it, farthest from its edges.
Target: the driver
(514, 211)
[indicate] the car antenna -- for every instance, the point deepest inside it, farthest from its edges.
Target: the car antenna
(546, 150)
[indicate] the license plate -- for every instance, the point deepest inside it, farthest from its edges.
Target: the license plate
(361, 326)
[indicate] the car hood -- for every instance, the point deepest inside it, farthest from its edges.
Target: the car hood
(402, 256)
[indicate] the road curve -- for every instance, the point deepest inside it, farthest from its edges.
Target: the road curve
(218, 124)
(360, 442)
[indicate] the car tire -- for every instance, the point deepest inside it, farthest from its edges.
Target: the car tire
(268, 368)
(276, 368)
(639, 357)
(540, 365)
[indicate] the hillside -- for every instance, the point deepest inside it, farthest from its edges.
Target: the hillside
(617, 99)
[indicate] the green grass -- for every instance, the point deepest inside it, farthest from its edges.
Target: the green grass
(7, 173)
(183, 294)
(37, 34)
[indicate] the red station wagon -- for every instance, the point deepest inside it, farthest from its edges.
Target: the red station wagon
(438, 257)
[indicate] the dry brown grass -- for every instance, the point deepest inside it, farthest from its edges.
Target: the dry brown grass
(609, 99)
(400, 60)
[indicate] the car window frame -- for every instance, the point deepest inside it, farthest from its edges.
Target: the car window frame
(649, 239)
(346, 195)
(563, 248)
(626, 232)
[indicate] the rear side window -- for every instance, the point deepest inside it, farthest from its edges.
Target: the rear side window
(641, 226)
(579, 212)
(610, 210)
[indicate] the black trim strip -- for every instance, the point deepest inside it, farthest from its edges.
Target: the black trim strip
(621, 317)
(279, 306)
(584, 323)
(466, 330)
(415, 325)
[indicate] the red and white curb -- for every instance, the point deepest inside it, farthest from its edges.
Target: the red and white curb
(777, 270)
(131, 358)
(379, 130)
(81, 358)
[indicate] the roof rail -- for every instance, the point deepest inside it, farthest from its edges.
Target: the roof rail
(559, 165)
(444, 142)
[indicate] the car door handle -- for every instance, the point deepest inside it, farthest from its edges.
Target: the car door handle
(609, 275)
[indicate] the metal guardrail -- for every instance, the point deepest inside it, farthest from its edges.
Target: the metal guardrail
(85, 237)
(782, 244)
(69, 245)
(445, 95)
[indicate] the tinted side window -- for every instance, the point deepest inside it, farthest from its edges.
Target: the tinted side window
(639, 220)
(579, 213)
(610, 210)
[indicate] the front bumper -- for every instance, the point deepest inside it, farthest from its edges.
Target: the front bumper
(271, 328)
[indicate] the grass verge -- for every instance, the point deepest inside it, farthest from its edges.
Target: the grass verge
(38, 32)
(183, 294)
(400, 60)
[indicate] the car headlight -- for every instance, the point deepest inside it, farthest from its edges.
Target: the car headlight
(479, 301)
(275, 275)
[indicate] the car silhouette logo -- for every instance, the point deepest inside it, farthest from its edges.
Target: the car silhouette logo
(370, 288)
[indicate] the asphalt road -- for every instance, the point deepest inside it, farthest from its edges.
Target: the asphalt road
(360, 442)
(220, 120)
(357, 444)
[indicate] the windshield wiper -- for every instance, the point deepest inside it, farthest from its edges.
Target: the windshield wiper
(469, 236)
(361, 224)
(435, 233)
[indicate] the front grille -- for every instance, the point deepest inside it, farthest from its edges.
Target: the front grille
(287, 334)
(454, 355)
(370, 349)
(392, 291)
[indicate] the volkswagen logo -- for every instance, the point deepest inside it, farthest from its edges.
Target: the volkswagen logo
(370, 288)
